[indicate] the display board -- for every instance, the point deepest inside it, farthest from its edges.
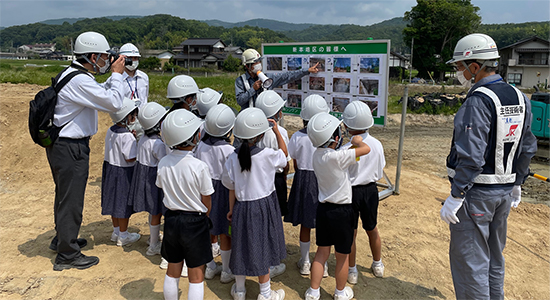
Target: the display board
(348, 71)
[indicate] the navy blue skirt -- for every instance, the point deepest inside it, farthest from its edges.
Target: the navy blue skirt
(303, 199)
(219, 209)
(258, 240)
(144, 194)
(115, 187)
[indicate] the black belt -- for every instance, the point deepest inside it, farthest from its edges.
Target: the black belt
(73, 139)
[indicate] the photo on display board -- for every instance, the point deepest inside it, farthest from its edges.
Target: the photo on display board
(317, 83)
(341, 85)
(294, 100)
(342, 65)
(295, 85)
(322, 63)
(275, 63)
(369, 65)
(373, 105)
(340, 103)
(294, 63)
(368, 86)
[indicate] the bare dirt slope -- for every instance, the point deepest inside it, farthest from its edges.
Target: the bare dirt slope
(415, 241)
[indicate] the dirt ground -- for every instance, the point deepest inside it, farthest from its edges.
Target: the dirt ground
(414, 239)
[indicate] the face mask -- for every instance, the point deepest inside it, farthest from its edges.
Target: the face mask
(133, 66)
(463, 81)
(256, 68)
(106, 67)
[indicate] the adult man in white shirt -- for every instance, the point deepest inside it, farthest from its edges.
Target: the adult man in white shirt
(68, 156)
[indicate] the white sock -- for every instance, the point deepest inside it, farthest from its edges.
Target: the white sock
(215, 245)
(116, 230)
(265, 289)
(326, 266)
(196, 291)
(239, 283)
(154, 234)
(150, 218)
(338, 292)
(304, 251)
(353, 269)
(212, 265)
(377, 262)
(123, 234)
(226, 256)
(315, 292)
(171, 288)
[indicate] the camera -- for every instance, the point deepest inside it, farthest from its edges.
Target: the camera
(115, 55)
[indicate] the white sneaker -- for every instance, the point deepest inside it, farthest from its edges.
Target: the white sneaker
(154, 250)
(227, 277)
(348, 294)
(131, 238)
(210, 273)
(309, 296)
(149, 239)
(237, 295)
(275, 271)
(163, 263)
(114, 237)
(184, 271)
(352, 277)
(216, 250)
(325, 272)
(305, 267)
(275, 295)
(378, 270)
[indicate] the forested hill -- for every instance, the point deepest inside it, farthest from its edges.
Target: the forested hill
(166, 32)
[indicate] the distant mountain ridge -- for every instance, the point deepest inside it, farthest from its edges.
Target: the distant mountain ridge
(262, 23)
(74, 20)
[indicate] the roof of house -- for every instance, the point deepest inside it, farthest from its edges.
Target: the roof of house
(201, 42)
(529, 39)
(191, 57)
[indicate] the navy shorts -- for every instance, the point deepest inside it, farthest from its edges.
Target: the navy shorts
(187, 237)
(365, 203)
(335, 226)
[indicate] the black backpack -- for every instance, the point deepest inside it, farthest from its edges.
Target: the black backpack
(41, 127)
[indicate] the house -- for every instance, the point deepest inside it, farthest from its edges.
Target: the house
(163, 55)
(398, 64)
(525, 63)
(37, 48)
(200, 52)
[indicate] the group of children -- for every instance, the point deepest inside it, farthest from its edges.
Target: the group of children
(186, 168)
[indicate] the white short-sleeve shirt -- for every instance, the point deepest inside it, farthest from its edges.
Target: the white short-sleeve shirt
(270, 141)
(151, 150)
(370, 167)
(214, 156)
(257, 183)
(120, 147)
(184, 179)
(331, 170)
(136, 87)
(301, 149)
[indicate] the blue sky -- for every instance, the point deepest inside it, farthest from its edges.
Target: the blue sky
(359, 12)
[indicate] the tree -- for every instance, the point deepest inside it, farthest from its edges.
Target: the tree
(231, 64)
(150, 63)
(436, 26)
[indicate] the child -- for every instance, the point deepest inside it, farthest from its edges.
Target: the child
(144, 194)
(303, 198)
(335, 214)
(118, 168)
(187, 187)
(214, 149)
(257, 230)
(364, 175)
(182, 91)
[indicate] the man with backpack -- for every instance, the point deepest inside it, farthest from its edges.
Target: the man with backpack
(76, 114)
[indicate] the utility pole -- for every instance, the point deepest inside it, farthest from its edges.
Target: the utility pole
(411, 65)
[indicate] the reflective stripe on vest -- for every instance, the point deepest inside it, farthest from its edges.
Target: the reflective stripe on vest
(247, 87)
(510, 119)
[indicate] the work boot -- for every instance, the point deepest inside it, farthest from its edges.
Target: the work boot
(80, 262)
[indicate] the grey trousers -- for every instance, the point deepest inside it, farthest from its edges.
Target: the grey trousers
(69, 163)
(477, 242)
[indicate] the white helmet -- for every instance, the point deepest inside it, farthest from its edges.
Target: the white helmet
(321, 127)
(180, 126)
(357, 116)
(270, 102)
(250, 123)
(129, 50)
(250, 56)
(220, 119)
(312, 105)
(150, 114)
(91, 42)
(475, 46)
(128, 106)
(207, 99)
(181, 86)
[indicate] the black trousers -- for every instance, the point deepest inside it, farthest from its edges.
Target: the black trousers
(281, 188)
(69, 163)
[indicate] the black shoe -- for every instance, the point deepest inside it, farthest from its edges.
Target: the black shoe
(81, 243)
(80, 262)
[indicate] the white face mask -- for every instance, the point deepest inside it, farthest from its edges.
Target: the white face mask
(133, 66)
(105, 68)
(463, 81)
(256, 68)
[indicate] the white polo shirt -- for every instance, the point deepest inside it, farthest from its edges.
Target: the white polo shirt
(370, 167)
(184, 179)
(331, 170)
(214, 156)
(151, 150)
(301, 149)
(136, 87)
(120, 147)
(257, 183)
(81, 98)
(270, 141)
